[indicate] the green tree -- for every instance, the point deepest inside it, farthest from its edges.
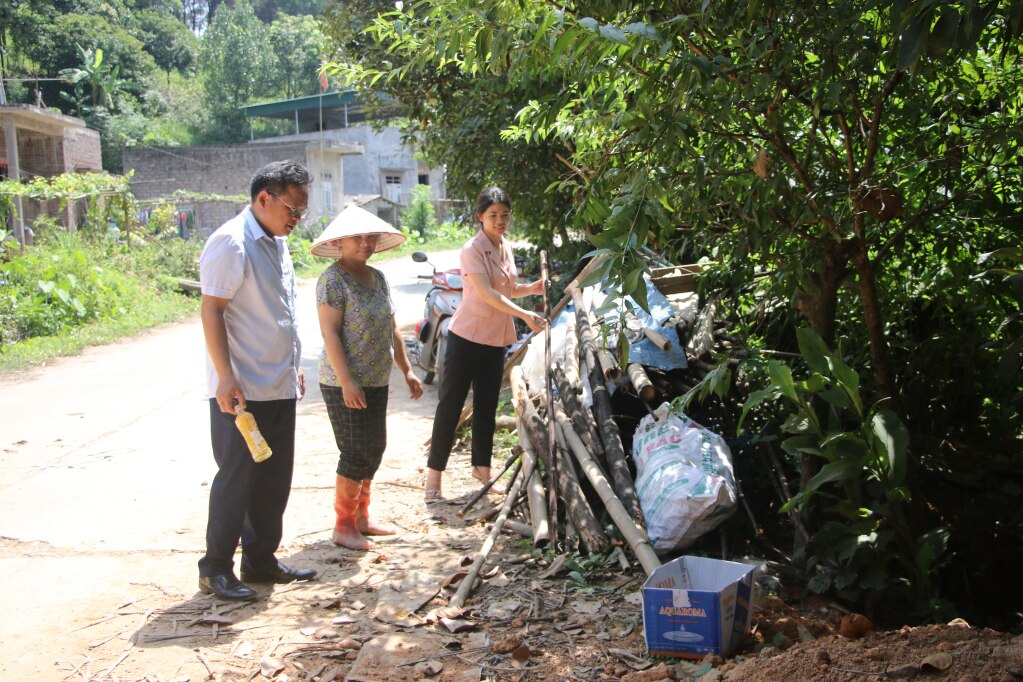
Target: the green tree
(238, 64)
(54, 49)
(172, 45)
(297, 42)
(845, 164)
(456, 118)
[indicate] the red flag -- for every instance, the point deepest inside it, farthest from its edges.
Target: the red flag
(323, 81)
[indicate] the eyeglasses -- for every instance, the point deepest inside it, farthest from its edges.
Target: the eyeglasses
(296, 213)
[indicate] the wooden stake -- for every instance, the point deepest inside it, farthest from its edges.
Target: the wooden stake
(552, 474)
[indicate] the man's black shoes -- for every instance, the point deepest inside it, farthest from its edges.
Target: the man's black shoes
(278, 573)
(226, 586)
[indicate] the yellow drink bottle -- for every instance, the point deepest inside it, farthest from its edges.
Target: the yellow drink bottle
(246, 423)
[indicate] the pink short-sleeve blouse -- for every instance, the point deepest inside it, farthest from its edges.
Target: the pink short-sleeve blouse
(475, 319)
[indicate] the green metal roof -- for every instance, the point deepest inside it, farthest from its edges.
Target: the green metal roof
(285, 107)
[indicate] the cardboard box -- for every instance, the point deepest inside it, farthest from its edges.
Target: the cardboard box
(693, 606)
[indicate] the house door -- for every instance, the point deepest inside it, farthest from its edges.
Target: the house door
(393, 187)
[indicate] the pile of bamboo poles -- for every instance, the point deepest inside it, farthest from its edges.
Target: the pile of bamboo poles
(571, 468)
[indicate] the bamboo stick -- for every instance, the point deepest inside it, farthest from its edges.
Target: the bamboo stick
(576, 506)
(586, 428)
(658, 340)
(571, 363)
(624, 486)
(465, 588)
(523, 529)
(641, 382)
(475, 497)
(608, 365)
(536, 497)
(636, 537)
(534, 487)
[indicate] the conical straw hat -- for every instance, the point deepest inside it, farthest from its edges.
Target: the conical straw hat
(351, 222)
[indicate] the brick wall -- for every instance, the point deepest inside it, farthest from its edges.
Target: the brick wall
(226, 169)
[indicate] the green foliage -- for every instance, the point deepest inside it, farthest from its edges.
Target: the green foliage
(96, 84)
(456, 118)
(297, 44)
(69, 280)
(237, 57)
(172, 45)
(419, 218)
(866, 544)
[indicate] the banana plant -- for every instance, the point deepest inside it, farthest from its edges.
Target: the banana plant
(101, 80)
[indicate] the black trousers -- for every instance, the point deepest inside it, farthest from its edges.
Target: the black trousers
(247, 499)
(467, 364)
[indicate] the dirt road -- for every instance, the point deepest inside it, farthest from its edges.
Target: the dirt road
(104, 471)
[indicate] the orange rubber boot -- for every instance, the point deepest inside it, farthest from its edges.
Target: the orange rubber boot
(346, 505)
(366, 525)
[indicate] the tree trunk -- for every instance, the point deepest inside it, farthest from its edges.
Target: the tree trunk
(879, 355)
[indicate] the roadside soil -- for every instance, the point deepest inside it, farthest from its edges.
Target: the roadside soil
(105, 468)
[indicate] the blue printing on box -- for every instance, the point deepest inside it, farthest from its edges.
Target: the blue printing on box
(694, 622)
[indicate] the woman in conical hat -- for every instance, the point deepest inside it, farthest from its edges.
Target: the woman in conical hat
(356, 316)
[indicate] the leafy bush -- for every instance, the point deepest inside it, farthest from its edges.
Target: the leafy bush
(69, 280)
(419, 217)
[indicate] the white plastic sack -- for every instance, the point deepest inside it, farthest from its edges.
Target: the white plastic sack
(684, 478)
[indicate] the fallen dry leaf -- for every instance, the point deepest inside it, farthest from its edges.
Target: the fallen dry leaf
(583, 606)
(556, 567)
(499, 580)
(214, 619)
(454, 625)
(651, 675)
(325, 633)
(855, 625)
(453, 580)
(270, 666)
(521, 654)
(350, 643)
(505, 645)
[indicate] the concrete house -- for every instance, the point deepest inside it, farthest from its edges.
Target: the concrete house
(349, 160)
(34, 142)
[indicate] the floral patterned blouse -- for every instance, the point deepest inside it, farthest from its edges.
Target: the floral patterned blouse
(367, 329)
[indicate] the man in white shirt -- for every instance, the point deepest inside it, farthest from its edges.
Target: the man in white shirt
(252, 363)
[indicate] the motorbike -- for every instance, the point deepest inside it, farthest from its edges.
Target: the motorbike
(442, 300)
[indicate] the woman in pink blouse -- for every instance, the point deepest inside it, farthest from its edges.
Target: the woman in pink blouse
(481, 330)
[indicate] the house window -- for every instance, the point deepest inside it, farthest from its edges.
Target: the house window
(424, 179)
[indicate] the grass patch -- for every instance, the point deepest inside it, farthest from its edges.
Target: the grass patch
(155, 310)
